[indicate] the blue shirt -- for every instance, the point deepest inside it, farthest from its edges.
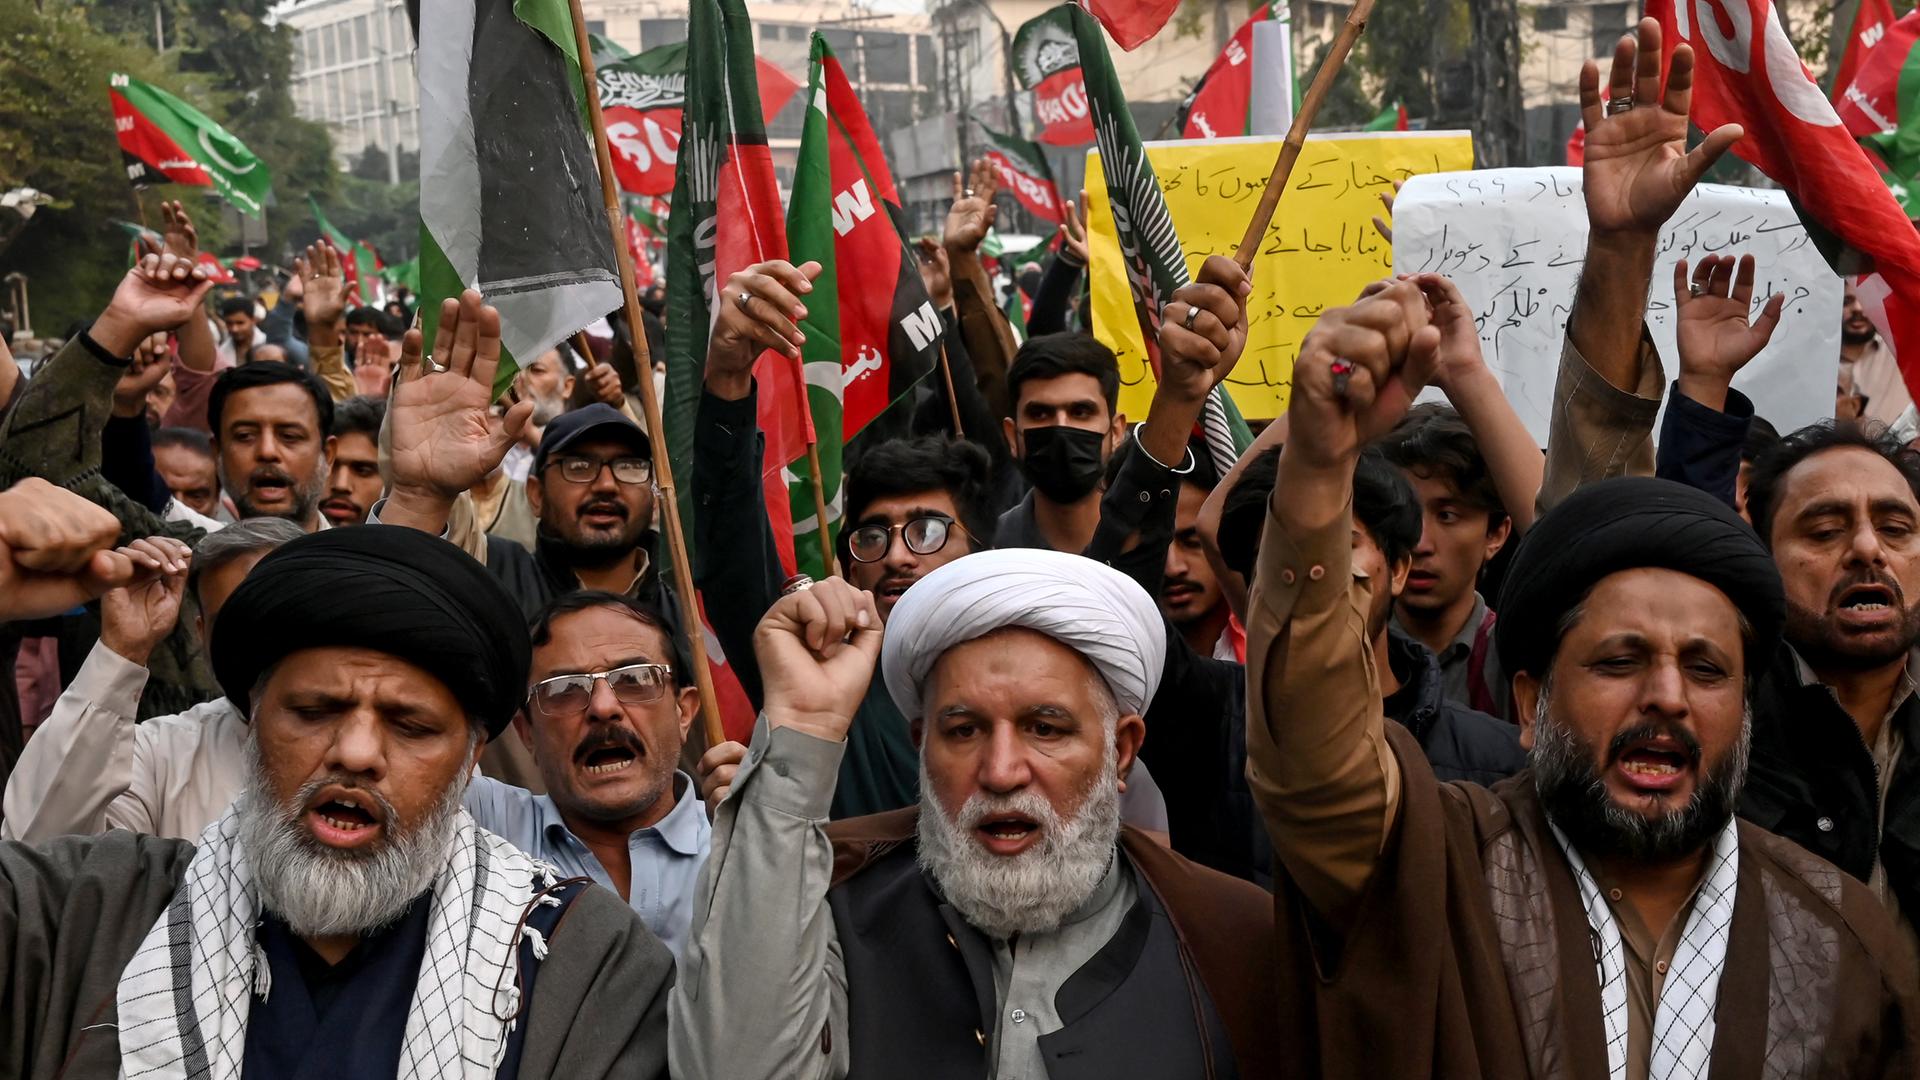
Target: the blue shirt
(666, 857)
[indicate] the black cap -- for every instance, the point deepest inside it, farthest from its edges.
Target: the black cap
(597, 421)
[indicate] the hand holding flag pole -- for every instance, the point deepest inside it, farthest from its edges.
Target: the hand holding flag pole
(668, 502)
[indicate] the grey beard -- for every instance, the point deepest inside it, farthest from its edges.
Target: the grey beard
(305, 496)
(1032, 892)
(321, 891)
(1575, 797)
(547, 409)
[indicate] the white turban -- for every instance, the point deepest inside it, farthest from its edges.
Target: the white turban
(1090, 607)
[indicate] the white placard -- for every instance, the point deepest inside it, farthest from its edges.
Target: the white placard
(1514, 240)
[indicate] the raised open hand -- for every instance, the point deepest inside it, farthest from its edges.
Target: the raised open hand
(817, 648)
(445, 436)
(1384, 225)
(1637, 166)
(973, 212)
(1711, 323)
(373, 367)
(159, 294)
(323, 298)
(1073, 231)
(176, 226)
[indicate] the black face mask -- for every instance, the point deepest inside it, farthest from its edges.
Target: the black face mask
(1063, 462)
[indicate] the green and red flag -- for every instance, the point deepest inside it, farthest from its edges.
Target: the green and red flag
(1881, 108)
(641, 100)
(1221, 101)
(166, 141)
(361, 265)
(1391, 118)
(1023, 170)
(1149, 244)
(1048, 63)
(1871, 21)
(872, 332)
(508, 199)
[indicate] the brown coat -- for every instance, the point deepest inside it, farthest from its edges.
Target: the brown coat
(1224, 924)
(1470, 957)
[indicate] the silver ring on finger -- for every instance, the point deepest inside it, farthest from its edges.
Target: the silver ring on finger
(740, 298)
(432, 366)
(1696, 288)
(796, 583)
(1192, 314)
(969, 193)
(1616, 106)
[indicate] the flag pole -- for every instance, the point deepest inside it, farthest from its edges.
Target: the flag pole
(1297, 132)
(819, 495)
(953, 403)
(667, 502)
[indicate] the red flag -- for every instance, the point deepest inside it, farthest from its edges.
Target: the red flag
(1871, 21)
(1754, 78)
(776, 87)
(1047, 60)
(1577, 145)
(217, 271)
(1221, 99)
(1134, 21)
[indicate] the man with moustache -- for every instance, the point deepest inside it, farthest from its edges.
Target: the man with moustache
(1190, 593)
(354, 483)
(271, 427)
(1603, 914)
(345, 917)
(185, 460)
(1874, 370)
(1008, 925)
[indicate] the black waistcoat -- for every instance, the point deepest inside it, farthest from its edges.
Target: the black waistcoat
(921, 1003)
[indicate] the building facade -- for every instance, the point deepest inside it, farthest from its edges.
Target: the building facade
(353, 71)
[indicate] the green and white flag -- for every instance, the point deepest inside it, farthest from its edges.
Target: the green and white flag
(1156, 265)
(358, 260)
(509, 191)
(166, 141)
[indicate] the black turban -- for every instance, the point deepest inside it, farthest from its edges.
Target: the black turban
(383, 587)
(1625, 524)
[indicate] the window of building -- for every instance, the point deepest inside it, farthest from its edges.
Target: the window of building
(795, 33)
(925, 66)
(1609, 22)
(1550, 18)
(889, 59)
(400, 35)
(360, 48)
(657, 32)
(596, 26)
(329, 56)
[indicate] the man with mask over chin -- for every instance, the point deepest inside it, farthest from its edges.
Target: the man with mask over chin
(1065, 432)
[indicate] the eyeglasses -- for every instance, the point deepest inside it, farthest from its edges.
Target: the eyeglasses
(585, 470)
(569, 695)
(923, 536)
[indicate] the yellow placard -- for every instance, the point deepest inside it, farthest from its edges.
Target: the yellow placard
(1320, 250)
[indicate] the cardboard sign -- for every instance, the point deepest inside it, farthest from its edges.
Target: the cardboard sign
(1514, 241)
(1321, 246)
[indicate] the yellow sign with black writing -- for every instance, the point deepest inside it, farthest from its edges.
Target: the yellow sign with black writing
(1320, 250)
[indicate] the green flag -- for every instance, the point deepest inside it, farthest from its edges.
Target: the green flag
(509, 193)
(166, 140)
(1391, 118)
(1148, 242)
(361, 265)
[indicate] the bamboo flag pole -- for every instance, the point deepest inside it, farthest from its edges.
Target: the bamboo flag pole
(819, 492)
(667, 502)
(953, 403)
(1297, 132)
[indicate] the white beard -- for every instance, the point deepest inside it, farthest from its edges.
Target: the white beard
(321, 891)
(1034, 891)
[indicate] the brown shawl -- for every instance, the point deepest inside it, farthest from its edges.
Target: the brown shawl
(1470, 956)
(1225, 926)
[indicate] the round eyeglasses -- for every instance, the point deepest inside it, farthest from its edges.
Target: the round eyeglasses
(922, 535)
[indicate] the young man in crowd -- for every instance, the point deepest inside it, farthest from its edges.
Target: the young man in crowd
(243, 331)
(1867, 365)
(271, 427)
(346, 889)
(1190, 594)
(1008, 920)
(185, 459)
(353, 483)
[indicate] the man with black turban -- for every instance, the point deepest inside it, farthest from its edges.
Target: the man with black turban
(1602, 914)
(345, 917)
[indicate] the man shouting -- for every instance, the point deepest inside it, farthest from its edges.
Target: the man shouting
(345, 917)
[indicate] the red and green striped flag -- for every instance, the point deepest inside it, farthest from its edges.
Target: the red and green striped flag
(1881, 108)
(1149, 244)
(1391, 118)
(362, 266)
(1023, 170)
(1221, 100)
(509, 193)
(167, 141)
(872, 332)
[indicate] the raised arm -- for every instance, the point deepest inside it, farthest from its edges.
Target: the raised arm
(323, 300)
(1325, 779)
(1637, 172)
(762, 991)
(1053, 301)
(989, 337)
(1707, 420)
(196, 348)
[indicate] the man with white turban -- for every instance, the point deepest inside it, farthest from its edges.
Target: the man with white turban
(1007, 926)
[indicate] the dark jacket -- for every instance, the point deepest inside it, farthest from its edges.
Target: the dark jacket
(534, 577)
(1175, 993)
(1700, 447)
(1812, 780)
(1461, 743)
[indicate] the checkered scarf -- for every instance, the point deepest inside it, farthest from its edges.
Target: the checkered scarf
(1683, 1019)
(184, 997)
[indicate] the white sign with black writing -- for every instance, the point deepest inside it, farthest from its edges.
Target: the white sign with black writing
(1514, 241)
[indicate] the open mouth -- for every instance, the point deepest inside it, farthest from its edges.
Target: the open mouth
(892, 589)
(1008, 834)
(606, 760)
(343, 818)
(1867, 603)
(1656, 764)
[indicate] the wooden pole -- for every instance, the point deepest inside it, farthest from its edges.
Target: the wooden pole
(584, 348)
(953, 403)
(820, 503)
(667, 503)
(1297, 133)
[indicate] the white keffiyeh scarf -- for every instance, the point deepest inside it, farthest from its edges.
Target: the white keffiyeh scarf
(1683, 1023)
(185, 995)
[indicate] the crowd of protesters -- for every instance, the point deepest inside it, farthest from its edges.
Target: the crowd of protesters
(356, 731)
